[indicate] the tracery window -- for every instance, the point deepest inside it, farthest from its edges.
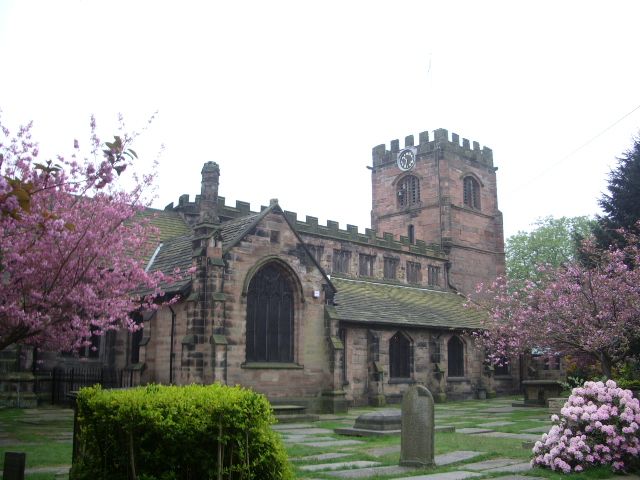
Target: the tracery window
(390, 268)
(270, 316)
(471, 192)
(408, 191)
(414, 275)
(433, 275)
(366, 265)
(400, 356)
(341, 259)
(455, 354)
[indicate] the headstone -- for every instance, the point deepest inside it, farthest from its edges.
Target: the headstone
(14, 463)
(417, 439)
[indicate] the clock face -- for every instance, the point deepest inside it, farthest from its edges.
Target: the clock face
(406, 159)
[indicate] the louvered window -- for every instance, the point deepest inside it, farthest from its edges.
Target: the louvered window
(471, 193)
(408, 191)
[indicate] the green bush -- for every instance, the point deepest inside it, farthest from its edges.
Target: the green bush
(182, 433)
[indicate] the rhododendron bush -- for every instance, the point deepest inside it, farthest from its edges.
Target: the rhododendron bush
(590, 311)
(599, 425)
(67, 239)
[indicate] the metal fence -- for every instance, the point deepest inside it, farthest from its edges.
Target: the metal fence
(63, 380)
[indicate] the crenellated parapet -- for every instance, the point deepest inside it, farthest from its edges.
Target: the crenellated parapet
(351, 234)
(426, 145)
(311, 226)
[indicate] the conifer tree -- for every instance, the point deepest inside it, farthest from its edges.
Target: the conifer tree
(621, 205)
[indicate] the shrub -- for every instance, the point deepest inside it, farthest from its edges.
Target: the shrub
(168, 432)
(598, 426)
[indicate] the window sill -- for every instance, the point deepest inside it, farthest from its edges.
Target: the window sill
(458, 379)
(272, 366)
(393, 381)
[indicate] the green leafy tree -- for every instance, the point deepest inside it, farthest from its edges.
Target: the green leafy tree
(553, 242)
(621, 205)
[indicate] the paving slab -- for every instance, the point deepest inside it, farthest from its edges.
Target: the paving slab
(305, 431)
(540, 429)
(338, 465)
(506, 409)
(496, 424)
(371, 472)
(457, 456)
(517, 467)
(302, 439)
(517, 436)
(473, 430)
(290, 426)
(320, 457)
(443, 476)
(381, 451)
(332, 443)
(523, 477)
(493, 463)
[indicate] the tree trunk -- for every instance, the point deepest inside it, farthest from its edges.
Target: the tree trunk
(605, 363)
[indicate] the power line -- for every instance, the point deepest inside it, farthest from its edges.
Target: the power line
(573, 152)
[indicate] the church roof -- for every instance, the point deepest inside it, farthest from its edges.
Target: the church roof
(381, 303)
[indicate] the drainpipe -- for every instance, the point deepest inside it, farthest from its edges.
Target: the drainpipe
(171, 353)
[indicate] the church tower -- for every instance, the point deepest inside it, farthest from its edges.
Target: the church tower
(443, 192)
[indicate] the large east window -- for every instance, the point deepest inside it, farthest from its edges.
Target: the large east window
(270, 316)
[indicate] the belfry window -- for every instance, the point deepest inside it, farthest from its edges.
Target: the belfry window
(455, 354)
(408, 191)
(270, 316)
(399, 356)
(471, 193)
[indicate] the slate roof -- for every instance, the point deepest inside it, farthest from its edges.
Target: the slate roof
(380, 303)
(173, 253)
(170, 224)
(232, 231)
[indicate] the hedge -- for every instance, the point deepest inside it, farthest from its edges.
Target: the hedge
(168, 432)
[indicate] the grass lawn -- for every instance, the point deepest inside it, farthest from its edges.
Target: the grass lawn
(45, 435)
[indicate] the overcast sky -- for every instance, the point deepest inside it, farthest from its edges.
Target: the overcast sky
(290, 97)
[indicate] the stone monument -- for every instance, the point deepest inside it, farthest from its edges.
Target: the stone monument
(417, 439)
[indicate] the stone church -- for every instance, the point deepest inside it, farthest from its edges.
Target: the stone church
(326, 317)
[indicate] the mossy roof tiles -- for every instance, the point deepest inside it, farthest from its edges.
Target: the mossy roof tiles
(379, 303)
(169, 224)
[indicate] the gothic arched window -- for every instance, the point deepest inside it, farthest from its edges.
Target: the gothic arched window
(408, 191)
(455, 354)
(471, 193)
(399, 356)
(270, 316)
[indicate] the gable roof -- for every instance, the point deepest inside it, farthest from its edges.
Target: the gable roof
(177, 252)
(381, 303)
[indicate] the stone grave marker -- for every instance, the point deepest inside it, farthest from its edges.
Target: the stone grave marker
(14, 463)
(417, 439)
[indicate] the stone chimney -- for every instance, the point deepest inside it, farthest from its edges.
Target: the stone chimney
(208, 206)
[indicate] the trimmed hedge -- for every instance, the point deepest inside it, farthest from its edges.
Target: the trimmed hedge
(168, 432)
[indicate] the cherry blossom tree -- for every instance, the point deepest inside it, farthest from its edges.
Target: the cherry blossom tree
(587, 309)
(70, 253)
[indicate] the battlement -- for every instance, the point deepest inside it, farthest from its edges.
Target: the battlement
(332, 230)
(311, 226)
(440, 141)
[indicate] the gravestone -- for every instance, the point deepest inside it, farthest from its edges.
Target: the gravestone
(417, 439)
(14, 463)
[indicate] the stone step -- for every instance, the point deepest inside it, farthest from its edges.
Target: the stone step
(293, 414)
